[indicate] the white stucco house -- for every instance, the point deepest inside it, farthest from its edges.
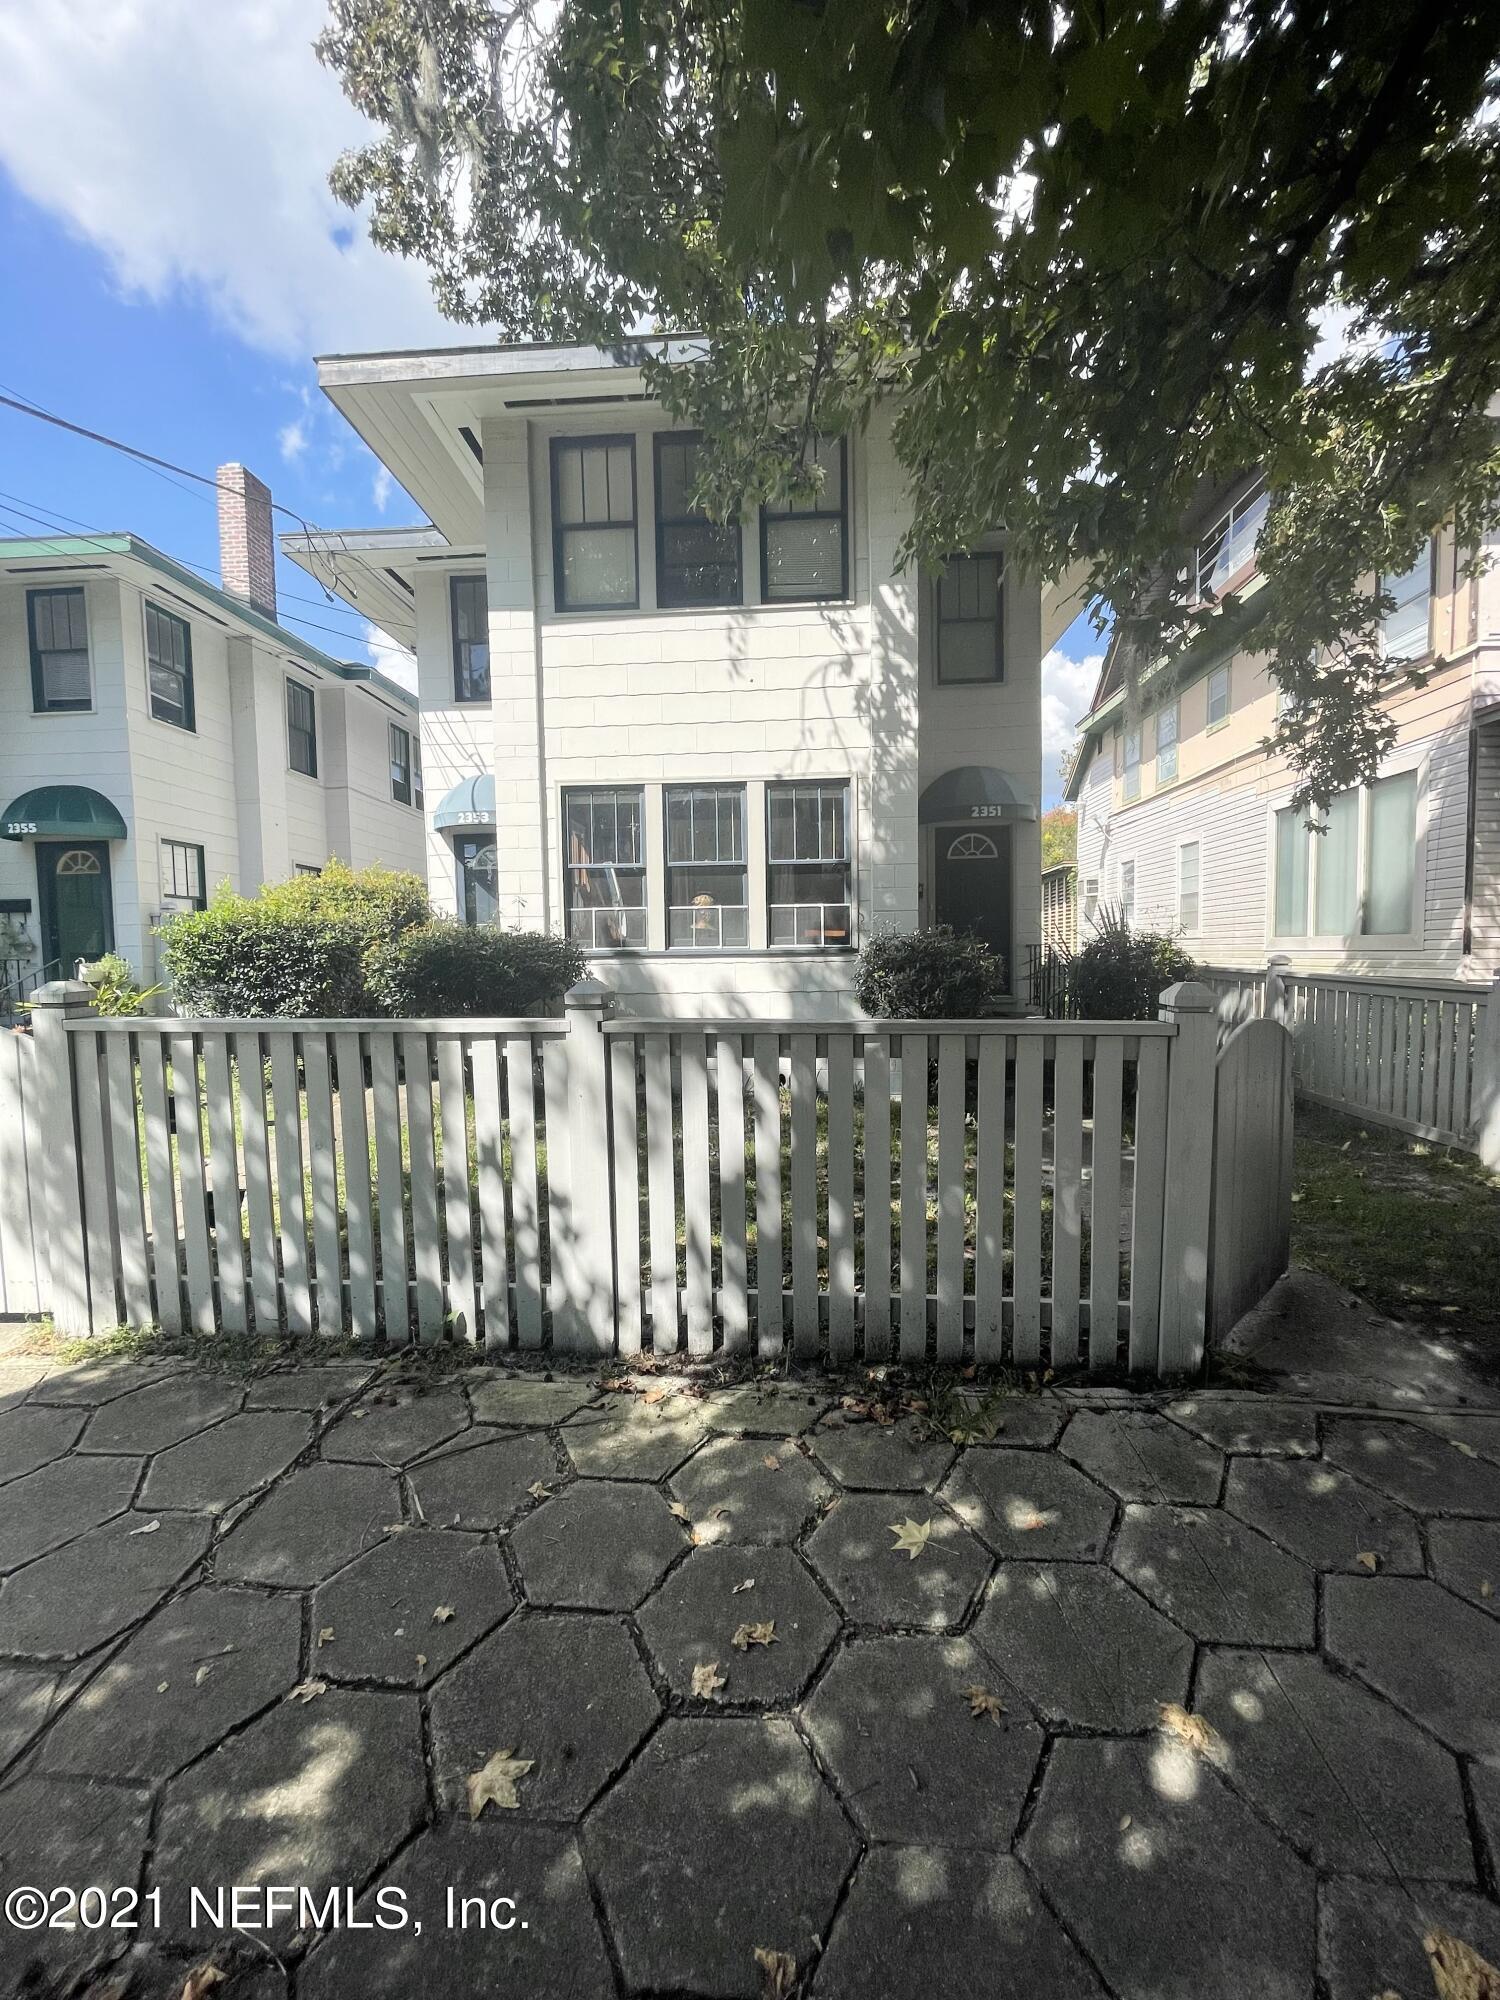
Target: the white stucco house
(162, 736)
(719, 757)
(1185, 819)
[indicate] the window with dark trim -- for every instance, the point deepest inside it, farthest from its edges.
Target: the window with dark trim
(478, 877)
(468, 600)
(401, 775)
(418, 796)
(302, 728)
(306, 868)
(697, 560)
(594, 564)
(182, 876)
(58, 629)
(605, 872)
(970, 600)
(707, 882)
(804, 544)
(169, 668)
(807, 864)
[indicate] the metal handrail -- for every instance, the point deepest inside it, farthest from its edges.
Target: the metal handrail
(13, 995)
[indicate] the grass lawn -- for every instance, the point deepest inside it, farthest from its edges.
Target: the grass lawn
(1414, 1229)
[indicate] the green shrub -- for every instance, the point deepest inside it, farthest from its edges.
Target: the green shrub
(933, 975)
(115, 988)
(444, 968)
(1119, 975)
(294, 948)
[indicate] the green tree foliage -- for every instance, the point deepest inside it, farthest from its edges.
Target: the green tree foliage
(1093, 255)
(1121, 973)
(1060, 837)
(444, 968)
(933, 975)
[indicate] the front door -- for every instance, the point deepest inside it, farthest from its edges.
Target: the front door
(973, 885)
(73, 895)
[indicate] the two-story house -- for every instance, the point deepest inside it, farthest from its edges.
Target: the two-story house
(1185, 821)
(163, 736)
(719, 757)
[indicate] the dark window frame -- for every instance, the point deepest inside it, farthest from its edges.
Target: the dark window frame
(294, 729)
(715, 865)
(39, 702)
(606, 441)
(939, 622)
(463, 859)
(394, 730)
(198, 898)
(465, 680)
(189, 719)
(664, 522)
(638, 867)
(810, 862)
(817, 511)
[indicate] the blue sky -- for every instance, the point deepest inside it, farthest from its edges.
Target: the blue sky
(174, 260)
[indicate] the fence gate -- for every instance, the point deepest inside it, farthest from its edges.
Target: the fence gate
(1252, 1206)
(21, 1246)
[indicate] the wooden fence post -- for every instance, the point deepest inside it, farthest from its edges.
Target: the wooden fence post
(580, 1219)
(1190, 1150)
(1278, 999)
(52, 1007)
(1486, 1087)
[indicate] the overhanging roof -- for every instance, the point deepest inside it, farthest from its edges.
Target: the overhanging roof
(61, 812)
(973, 791)
(471, 802)
(374, 570)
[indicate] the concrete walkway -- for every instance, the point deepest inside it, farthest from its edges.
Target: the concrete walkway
(657, 1668)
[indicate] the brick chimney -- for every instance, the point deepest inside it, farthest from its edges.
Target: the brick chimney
(247, 553)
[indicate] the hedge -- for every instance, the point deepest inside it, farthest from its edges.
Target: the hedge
(444, 968)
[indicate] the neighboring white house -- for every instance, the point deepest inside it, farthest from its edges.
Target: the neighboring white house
(162, 736)
(719, 757)
(1184, 817)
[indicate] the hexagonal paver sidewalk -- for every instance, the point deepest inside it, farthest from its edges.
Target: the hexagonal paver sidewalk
(1178, 1696)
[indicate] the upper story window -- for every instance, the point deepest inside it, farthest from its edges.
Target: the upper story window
(804, 544)
(970, 600)
(593, 524)
(58, 628)
(1130, 782)
(1357, 877)
(1230, 543)
(401, 765)
(182, 876)
(1218, 697)
(807, 855)
(707, 883)
(169, 667)
(469, 616)
(697, 560)
(302, 728)
(1189, 873)
(605, 867)
(1405, 630)
(418, 798)
(1166, 744)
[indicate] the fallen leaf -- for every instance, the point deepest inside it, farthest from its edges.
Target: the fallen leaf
(494, 1784)
(444, 1615)
(1029, 1520)
(325, 1636)
(306, 1691)
(1125, 1823)
(911, 1537)
(676, 1507)
(1486, 1588)
(982, 1702)
(708, 1680)
(771, 1462)
(755, 1635)
(538, 1491)
(658, 1395)
(150, 1528)
(162, 1686)
(1195, 1731)
(778, 1972)
(201, 1676)
(421, 1661)
(1458, 1972)
(748, 1584)
(1367, 1559)
(1459, 1444)
(202, 1979)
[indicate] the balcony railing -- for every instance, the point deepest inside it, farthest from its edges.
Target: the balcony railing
(1230, 542)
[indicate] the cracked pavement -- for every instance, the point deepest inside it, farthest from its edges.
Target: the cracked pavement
(263, 1632)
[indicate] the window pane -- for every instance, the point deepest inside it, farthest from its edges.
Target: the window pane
(1392, 857)
(621, 503)
(809, 885)
(478, 869)
(1127, 891)
(674, 476)
(1291, 874)
(804, 557)
(471, 638)
(1187, 886)
(598, 567)
(570, 485)
(1338, 862)
(700, 563)
(779, 833)
(65, 680)
(967, 652)
(1218, 694)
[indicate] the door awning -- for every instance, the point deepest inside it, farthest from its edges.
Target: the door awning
(471, 802)
(973, 791)
(61, 812)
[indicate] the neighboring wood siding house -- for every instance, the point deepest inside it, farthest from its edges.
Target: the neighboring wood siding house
(719, 757)
(163, 736)
(1184, 817)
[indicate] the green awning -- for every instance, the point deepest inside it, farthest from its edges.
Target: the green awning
(61, 812)
(973, 792)
(471, 802)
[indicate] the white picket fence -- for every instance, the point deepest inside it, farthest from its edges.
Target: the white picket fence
(1025, 1191)
(23, 1289)
(1423, 1058)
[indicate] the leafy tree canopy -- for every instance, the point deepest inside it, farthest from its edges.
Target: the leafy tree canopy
(1060, 837)
(1093, 251)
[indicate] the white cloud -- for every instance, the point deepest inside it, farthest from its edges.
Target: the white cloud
(1067, 688)
(190, 144)
(394, 661)
(381, 489)
(292, 439)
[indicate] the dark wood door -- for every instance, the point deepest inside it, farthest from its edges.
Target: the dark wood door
(74, 900)
(974, 885)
